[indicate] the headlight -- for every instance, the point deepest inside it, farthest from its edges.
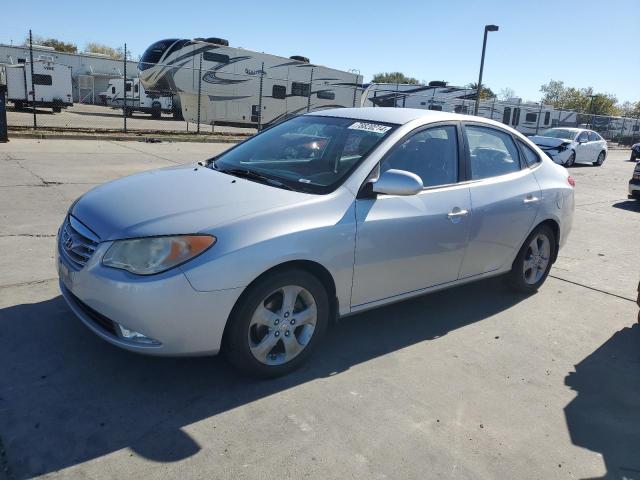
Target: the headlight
(147, 256)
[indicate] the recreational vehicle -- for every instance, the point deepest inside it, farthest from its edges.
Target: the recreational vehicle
(138, 100)
(526, 117)
(52, 81)
(242, 87)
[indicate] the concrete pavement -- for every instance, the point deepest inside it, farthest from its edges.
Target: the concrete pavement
(473, 382)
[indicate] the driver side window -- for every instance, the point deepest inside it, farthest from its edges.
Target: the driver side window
(432, 154)
(583, 137)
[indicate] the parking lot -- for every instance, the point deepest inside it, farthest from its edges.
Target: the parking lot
(97, 117)
(472, 382)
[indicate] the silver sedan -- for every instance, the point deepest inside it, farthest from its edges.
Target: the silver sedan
(327, 214)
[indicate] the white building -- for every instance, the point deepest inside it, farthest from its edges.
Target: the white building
(90, 72)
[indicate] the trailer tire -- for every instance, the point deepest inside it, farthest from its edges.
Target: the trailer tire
(18, 105)
(56, 109)
(156, 110)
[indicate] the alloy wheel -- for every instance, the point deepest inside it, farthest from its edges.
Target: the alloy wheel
(600, 159)
(282, 325)
(536, 259)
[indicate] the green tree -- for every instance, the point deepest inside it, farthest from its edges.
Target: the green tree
(394, 77)
(582, 100)
(485, 92)
(58, 45)
(117, 53)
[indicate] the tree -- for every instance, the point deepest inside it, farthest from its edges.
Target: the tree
(394, 77)
(630, 109)
(117, 53)
(582, 100)
(58, 45)
(506, 93)
(485, 92)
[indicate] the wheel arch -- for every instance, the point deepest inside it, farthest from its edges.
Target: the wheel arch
(314, 268)
(555, 228)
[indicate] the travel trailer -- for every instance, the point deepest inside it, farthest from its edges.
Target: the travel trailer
(526, 117)
(237, 85)
(53, 88)
(138, 100)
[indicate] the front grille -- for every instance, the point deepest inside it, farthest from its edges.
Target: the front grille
(77, 242)
(98, 319)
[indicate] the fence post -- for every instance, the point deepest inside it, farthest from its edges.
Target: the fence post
(621, 131)
(310, 88)
(199, 93)
(395, 96)
(355, 90)
(493, 108)
(3, 116)
(124, 89)
(260, 97)
(539, 115)
(633, 133)
(33, 86)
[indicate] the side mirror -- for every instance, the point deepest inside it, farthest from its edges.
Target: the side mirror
(398, 182)
(582, 140)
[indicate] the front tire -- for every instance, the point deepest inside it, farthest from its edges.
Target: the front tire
(533, 262)
(571, 160)
(600, 160)
(277, 323)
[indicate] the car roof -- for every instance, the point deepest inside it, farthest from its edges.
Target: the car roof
(399, 116)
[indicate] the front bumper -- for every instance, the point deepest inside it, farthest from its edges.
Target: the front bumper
(163, 307)
(634, 189)
(558, 157)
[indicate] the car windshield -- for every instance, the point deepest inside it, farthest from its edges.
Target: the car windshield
(559, 133)
(307, 153)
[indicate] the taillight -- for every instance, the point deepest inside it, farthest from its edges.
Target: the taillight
(571, 181)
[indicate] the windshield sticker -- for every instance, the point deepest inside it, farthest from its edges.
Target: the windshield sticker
(370, 127)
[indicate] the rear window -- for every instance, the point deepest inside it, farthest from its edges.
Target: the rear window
(215, 57)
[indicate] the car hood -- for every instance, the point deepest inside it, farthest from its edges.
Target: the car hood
(177, 200)
(548, 141)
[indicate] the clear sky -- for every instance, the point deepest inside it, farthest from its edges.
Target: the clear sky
(582, 42)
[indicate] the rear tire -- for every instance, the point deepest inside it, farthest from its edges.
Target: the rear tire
(533, 262)
(600, 160)
(268, 336)
(571, 160)
(156, 110)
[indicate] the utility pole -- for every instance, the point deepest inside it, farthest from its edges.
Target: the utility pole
(487, 29)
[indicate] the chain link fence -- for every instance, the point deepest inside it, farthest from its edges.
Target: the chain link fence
(209, 92)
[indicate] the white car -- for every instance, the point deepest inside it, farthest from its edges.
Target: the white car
(567, 146)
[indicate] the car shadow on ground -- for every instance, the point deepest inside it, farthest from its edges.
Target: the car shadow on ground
(67, 397)
(604, 416)
(630, 205)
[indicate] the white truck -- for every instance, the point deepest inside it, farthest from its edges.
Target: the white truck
(52, 82)
(138, 100)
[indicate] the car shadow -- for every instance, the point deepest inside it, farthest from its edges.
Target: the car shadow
(630, 205)
(67, 397)
(604, 416)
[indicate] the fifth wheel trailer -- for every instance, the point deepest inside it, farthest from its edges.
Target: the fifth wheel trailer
(230, 81)
(52, 81)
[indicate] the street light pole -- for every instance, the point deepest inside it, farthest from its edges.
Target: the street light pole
(487, 29)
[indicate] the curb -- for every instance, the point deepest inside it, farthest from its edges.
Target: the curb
(147, 138)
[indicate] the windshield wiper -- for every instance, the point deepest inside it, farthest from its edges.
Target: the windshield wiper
(250, 174)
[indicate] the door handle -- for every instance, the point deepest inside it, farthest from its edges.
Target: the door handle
(456, 214)
(530, 199)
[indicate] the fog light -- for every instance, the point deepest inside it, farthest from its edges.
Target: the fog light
(134, 336)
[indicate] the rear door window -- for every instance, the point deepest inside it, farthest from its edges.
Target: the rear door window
(593, 137)
(492, 152)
